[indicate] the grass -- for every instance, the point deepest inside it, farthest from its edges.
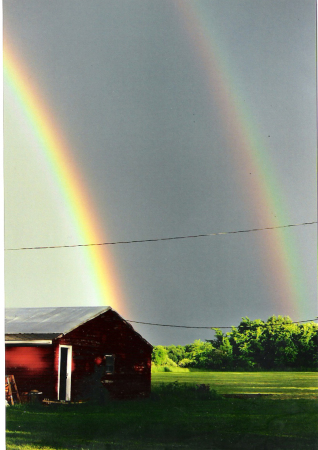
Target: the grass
(156, 369)
(178, 416)
(292, 384)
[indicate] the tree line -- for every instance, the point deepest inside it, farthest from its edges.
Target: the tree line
(278, 344)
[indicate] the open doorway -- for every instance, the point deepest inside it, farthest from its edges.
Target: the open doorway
(65, 372)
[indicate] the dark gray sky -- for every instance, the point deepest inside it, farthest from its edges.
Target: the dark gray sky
(136, 90)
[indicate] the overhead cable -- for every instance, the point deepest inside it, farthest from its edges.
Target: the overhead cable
(211, 327)
(162, 239)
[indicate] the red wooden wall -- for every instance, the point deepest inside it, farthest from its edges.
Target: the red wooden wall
(32, 367)
(108, 335)
(36, 367)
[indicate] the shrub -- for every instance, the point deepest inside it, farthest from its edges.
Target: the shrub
(177, 392)
(92, 389)
(174, 369)
(186, 362)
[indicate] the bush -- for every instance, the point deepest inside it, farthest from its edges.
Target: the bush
(186, 362)
(174, 369)
(177, 391)
(92, 389)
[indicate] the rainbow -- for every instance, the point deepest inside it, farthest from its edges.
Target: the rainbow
(249, 150)
(100, 266)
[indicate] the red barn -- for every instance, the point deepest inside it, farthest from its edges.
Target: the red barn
(65, 352)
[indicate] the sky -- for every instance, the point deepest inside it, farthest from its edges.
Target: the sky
(135, 120)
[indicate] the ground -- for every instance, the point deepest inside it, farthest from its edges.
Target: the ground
(179, 416)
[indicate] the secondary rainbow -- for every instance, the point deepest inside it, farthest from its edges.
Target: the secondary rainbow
(99, 262)
(249, 149)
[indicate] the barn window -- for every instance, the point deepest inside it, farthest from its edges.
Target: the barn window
(110, 363)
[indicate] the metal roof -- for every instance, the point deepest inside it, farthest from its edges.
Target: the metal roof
(30, 337)
(49, 320)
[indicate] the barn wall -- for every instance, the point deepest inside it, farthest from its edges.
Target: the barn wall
(36, 367)
(32, 367)
(108, 334)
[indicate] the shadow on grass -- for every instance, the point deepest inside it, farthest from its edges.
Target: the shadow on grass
(177, 391)
(176, 415)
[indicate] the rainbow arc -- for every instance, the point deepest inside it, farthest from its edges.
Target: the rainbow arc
(68, 179)
(249, 150)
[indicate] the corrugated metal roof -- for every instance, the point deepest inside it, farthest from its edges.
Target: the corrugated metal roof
(49, 320)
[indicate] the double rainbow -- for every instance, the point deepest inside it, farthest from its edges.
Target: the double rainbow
(242, 136)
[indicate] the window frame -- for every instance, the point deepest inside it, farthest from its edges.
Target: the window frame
(109, 368)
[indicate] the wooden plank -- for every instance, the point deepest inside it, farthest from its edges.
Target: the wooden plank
(11, 389)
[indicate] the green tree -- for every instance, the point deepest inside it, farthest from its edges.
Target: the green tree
(159, 355)
(200, 353)
(176, 353)
(276, 344)
(222, 355)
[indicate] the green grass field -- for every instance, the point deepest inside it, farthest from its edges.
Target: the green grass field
(289, 384)
(176, 418)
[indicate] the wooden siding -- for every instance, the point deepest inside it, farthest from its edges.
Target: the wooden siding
(36, 367)
(32, 367)
(108, 334)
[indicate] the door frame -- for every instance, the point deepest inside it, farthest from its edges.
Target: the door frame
(68, 372)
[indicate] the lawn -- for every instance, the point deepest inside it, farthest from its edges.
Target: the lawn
(177, 417)
(289, 384)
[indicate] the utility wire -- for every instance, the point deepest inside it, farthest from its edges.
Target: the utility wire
(209, 328)
(162, 239)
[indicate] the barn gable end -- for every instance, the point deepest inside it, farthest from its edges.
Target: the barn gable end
(101, 347)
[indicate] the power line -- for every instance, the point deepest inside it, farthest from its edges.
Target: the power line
(211, 327)
(162, 239)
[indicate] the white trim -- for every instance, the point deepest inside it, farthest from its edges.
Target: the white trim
(68, 372)
(43, 342)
